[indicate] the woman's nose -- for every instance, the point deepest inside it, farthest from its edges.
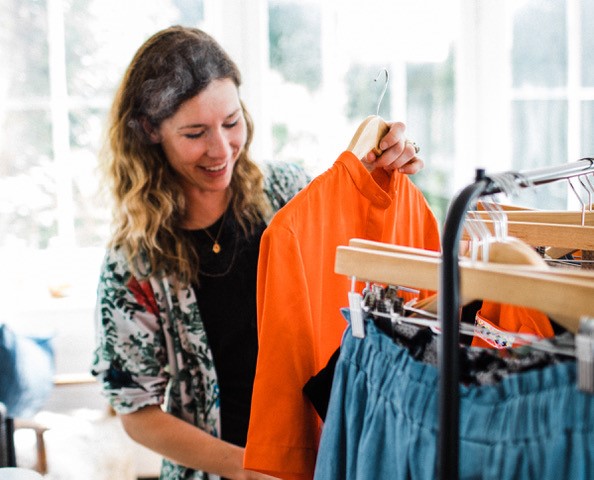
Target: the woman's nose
(218, 146)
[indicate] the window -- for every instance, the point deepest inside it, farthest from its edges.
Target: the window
(61, 62)
(493, 84)
(543, 87)
(66, 58)
(526, 100)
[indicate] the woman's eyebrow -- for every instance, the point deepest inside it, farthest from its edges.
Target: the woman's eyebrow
(201, 125)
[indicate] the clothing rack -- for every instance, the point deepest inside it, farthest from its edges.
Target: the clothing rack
(449, 298)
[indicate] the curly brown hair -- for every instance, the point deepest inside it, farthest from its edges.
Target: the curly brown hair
(171, 67)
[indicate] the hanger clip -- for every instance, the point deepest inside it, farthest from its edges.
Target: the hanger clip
(584, 349)
(356, 311)
(357, 325)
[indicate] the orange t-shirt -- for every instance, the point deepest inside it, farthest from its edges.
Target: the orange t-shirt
(500, 319)
(299, 298)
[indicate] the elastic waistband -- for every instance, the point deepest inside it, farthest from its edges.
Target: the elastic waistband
(532, 404)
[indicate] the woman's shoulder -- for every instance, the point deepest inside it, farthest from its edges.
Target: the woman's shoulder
(283, 180)
(116, 265)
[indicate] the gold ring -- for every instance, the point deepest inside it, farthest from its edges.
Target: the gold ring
(415, 146)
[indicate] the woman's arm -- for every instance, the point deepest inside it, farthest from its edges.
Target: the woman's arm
(186, 444)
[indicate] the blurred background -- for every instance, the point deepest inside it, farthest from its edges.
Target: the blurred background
(494, 84)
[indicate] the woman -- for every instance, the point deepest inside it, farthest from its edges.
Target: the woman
(176, 309)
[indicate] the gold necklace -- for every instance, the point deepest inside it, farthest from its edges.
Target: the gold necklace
(216, 246)
(228, 269)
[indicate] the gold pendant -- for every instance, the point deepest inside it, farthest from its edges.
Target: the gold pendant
(216, 248)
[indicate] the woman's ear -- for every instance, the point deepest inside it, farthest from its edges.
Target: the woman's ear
(151, 131)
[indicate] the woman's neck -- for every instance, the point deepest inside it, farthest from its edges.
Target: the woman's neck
(205, 208)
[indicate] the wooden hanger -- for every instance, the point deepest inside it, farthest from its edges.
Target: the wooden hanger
(534, 264)
(563, 217)
(390, 247)
(368, 136)
(566, 298)
(504, 206)
(510, 251)
(545, 217)
(565, 236)
(497, 244)
(524, 214)
(429, 303)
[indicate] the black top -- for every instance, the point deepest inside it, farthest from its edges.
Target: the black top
(226, 296)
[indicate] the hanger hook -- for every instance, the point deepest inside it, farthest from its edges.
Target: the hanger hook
(480, 235)
(587, 184)
(384, 70)
(579, 200)
(499, 218)
(474, 242)
(588, 191)
(591, 207)
(506, 183)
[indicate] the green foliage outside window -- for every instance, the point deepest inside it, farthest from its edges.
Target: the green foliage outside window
(295, 46)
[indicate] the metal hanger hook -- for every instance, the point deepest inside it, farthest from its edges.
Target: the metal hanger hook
(587, 187)
(587, 184)
(480, 237)
(582, 203)
(383, 70)
(499, 218)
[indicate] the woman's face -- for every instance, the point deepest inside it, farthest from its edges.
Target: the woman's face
(204, 138)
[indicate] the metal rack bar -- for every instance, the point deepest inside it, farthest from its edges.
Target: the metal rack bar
(449, 300)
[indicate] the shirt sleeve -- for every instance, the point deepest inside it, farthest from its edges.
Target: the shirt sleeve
(129, 357)
(283, 431)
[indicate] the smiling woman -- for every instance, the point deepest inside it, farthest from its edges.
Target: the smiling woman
(174, 301)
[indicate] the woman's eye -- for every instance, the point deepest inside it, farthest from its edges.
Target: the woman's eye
(193, 136)
(231, 124)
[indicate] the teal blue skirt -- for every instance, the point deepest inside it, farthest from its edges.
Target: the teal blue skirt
(382, 420)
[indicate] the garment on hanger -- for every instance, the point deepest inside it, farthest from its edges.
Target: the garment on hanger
(300, 296)
(382, 420)
(546, 230)
(504, 319)
(480, 366)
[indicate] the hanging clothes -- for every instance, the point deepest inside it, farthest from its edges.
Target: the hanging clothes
(503, 319)
(383, 423)
(300, 296)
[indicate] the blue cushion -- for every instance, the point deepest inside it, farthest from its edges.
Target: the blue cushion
(26, 372)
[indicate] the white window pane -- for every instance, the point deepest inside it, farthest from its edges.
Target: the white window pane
(101, 37)
(91, 214)
(295, 42)
(27, 186)
(539, 49)
(587, 122)
(587, 33)
(540, 138)
(24, 48)
(431, 108)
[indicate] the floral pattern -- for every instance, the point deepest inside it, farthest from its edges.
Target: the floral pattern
(151, 343)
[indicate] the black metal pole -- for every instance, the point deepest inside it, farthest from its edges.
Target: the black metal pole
(449, 300)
